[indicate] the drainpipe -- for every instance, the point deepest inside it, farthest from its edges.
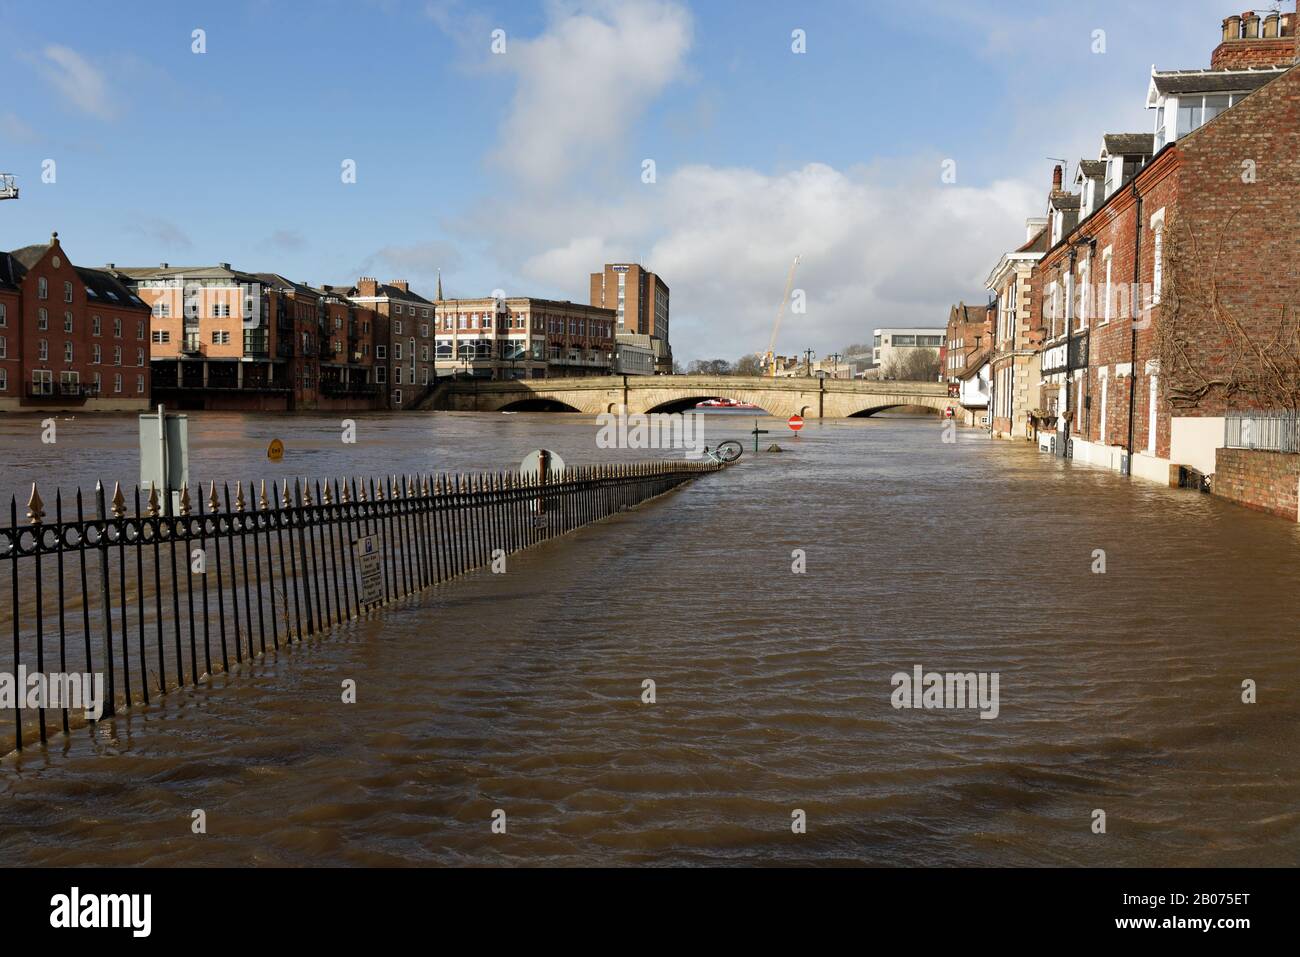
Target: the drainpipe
(1133, 334)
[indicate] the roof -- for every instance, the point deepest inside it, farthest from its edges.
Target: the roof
(1065, 200)
(970, 314)
(1128, 144)
(1173, 82)
(385, 290)
(974, 362)
(12, 271)
(1092, 169)
(29, 256)
(168, 271)
(1036, 245)
(103, 287)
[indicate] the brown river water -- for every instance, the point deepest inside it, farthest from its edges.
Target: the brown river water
(522, 692)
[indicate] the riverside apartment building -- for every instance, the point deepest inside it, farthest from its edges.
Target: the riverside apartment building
(70, 337)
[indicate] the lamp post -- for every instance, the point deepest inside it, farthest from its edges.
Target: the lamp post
(807, 364)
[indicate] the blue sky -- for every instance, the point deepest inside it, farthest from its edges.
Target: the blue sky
(523, 170)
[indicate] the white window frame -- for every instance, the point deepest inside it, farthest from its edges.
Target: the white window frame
(1157, 255)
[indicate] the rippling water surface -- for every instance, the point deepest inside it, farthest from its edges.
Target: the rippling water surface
(522, 692)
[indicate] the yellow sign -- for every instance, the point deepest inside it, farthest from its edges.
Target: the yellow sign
(275, 451)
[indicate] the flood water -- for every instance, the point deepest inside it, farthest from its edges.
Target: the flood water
(522, 692)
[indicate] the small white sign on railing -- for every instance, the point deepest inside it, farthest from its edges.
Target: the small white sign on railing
(371, 580)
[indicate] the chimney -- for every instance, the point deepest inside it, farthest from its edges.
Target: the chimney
(1034, 226)
(163, 266)
(366, 286)
(1058, 175)
(401, 284)
(1249, 41)
(225, 266)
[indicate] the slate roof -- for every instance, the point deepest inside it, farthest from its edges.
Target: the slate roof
(1093, 169)
(1128, 144)
(102, 286)
(1173, 82)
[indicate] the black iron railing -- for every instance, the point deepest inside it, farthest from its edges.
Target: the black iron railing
(153, 600)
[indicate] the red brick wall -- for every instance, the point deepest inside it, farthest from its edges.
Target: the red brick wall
(1264, 481)
(1240, 54)
(1244, 236)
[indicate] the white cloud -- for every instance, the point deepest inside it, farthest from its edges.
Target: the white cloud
(881, 245)
(584, 80)
(81, 84)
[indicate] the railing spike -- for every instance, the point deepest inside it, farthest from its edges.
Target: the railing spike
(306, 492)
(262, 502)
(185, 500)
(119, 500)
(327, 499)
(152, 501)
(346, 497)
(239, 496)
(212, 496)
(35, 507)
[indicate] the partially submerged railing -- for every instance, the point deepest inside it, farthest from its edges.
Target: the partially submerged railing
(141, 597)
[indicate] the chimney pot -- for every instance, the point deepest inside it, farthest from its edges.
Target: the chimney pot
(1270, 26)
(1058, 175)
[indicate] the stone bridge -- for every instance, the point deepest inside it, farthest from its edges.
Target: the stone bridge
(813, 398)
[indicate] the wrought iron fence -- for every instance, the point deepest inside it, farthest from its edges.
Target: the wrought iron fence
(1272, 432)
(142, 598)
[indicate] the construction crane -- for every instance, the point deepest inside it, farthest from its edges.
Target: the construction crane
(8, 187)
(771, 355)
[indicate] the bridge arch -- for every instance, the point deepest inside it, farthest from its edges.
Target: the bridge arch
(537, 405)
(920, 407)
(688, 402)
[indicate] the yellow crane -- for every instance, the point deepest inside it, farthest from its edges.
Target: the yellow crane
(771, 355)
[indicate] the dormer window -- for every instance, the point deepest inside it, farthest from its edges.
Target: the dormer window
(1058, 226)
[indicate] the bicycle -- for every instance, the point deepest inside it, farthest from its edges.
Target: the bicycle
(726, 452)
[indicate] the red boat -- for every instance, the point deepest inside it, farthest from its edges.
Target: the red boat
(724, 404)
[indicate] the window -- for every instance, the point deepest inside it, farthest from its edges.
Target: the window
(42, 382)
(42, 288)
(381, 374)
(139, 357)
(95, 379)
(117, 328)
(4, 315)
(67, 292)
(117, 382)
(117, 355)
(1157, 256)
(162, 335)
(4, 380)
(95, 325)
(424, 353)
(397, 311)
(464, 321)
(425, 376)
(139, 329)
(220, 310)
(1107, 260)
(42, 319)
(43, 350)
(381, 352)
(397, 375)
(139, 384)
(397, 397)
(95, 354)
(220, 337)
(1085, 297)
(67, 352)
(424, 329)
(67, 322)
(4, 348)
(162, 309)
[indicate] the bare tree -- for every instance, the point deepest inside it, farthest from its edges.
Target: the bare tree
(751, 364)
(914, 365)
(709, 367)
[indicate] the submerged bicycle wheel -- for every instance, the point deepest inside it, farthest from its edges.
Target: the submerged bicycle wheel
(729, 450)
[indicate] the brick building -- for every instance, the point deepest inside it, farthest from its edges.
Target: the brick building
(639, 299)
(70, 337)
(523, 338)
(404, 362)
(1013, 352)
(1163, 307)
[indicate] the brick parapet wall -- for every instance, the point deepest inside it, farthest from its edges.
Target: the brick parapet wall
(1265, 481)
